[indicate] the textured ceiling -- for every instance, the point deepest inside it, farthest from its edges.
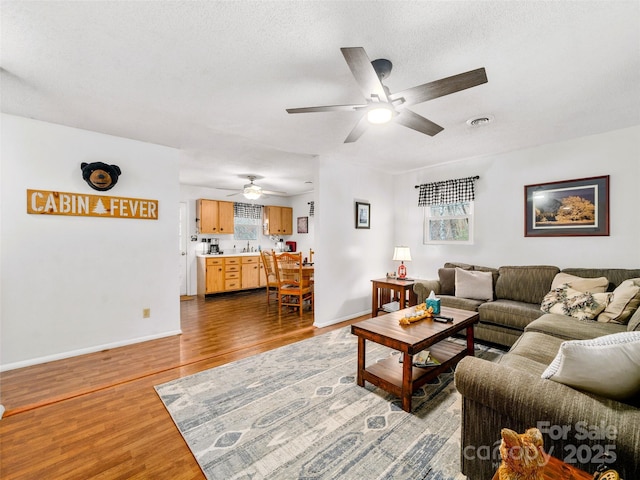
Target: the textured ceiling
(213, 78)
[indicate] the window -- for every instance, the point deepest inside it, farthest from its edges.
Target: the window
(247, 220)
(449, 224)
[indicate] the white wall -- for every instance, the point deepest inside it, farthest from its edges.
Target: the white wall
(72, 285)
(499, 206)
(304, 241)
(347, 259)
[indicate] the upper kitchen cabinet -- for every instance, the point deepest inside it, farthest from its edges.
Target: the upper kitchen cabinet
(214, 216)
(278, 220)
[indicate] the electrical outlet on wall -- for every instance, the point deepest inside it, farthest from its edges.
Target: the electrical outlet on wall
(146, 312)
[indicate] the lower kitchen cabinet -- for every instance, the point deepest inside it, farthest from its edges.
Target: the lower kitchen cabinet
(227, 274)
(250, 272)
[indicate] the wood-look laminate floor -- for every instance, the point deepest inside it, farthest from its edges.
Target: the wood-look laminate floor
(98, 416)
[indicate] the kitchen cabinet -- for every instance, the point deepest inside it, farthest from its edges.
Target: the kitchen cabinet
(250, 276)
(278, 220)
(226, 274)
(214, 216)
(232, 273)
(211, 277)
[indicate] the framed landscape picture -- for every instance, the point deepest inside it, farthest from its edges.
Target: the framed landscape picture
(568, 208)
(363, 215)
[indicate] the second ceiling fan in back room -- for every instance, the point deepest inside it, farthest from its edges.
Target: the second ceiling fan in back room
(251, 191)
(383, 106)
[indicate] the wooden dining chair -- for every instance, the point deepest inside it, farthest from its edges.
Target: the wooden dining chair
(293, 288)
(271, 275)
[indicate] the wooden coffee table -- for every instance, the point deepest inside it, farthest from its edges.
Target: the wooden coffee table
(403, 379)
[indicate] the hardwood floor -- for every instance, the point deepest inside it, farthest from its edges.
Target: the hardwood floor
(98, 415)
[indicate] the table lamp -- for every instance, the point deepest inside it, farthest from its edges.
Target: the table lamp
(401, 254)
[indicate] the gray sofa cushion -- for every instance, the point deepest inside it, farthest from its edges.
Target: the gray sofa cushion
(447, 277)
(464, 266)
(527, 284)
(501, 336)
(615, 275)
(634, 322)
(569, 328)
(459, 302)
(537, 347)
(509, 313)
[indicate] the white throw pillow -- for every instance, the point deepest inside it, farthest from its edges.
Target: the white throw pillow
(625, 301)
(593, 285)
(607, 366)
(474, 284)
(564, 300)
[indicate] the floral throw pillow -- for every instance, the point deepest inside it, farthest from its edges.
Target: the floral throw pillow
(564, 300)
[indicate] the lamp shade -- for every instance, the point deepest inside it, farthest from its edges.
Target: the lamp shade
(402, 254)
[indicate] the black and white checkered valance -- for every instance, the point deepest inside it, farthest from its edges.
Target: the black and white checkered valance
(247, 210)
(311, 206)
(447, 192)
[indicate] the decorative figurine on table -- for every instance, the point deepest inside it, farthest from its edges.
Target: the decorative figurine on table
(605, 472)
(522, 455)
(418, 313)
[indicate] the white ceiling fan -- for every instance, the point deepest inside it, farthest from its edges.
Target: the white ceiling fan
(251, 191)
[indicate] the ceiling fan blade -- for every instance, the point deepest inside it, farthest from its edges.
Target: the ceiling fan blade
(440, 88)
(327, 108)
(417, 122)
(232, 194)
(358, 130)
(273, 192)
(364, 73)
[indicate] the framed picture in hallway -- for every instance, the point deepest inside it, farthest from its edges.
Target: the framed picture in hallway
(569, 208)
(303, 224)
(363, 215)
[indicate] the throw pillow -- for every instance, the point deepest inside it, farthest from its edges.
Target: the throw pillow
(474, 285)
(607, 366)
(634, 322)
(565, 300)
(625, 301)
(447, 278)
(593, 285)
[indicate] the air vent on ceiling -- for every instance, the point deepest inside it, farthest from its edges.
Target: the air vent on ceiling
(476, 122)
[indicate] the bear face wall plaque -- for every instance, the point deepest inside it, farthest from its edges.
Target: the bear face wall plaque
(100, 176)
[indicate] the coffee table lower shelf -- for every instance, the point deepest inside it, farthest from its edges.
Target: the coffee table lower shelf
(388, 374)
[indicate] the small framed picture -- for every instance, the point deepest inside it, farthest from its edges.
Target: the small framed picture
(303, 224)
(363, 215)
(567, 209)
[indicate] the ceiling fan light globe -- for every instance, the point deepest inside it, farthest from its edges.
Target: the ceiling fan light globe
(379, 115)
(252, 192)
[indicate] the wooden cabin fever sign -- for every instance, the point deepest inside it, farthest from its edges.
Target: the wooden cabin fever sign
(43, 202)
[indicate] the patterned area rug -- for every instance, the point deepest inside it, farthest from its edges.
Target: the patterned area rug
(297, 413)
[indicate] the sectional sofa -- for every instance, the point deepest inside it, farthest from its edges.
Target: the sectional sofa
(587, 404)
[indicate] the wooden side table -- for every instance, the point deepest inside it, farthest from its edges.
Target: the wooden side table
(387, 290)
(558, 470)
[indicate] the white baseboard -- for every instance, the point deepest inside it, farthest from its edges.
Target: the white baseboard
(341, 319)
(84, 351)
